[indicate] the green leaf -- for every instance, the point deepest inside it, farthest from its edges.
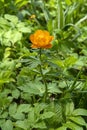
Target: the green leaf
(15, 36)
(60, 63)
(78, 120)
(5, 93)
(72, 126)
(33, 88)
(49, 25)
(53, 88)
(20, 3)
(22, 124)
(4, 115)
(2, 121)
(80, 112)
(44, 9)
(59, 15)
(7, 52)
(52, 129)
(68, 2)
(81, 62)
(38, 107)
(31, 116)
(4, 102)
(40, 125)
(11, 18)
(12, 36)
(15, 93)
(18, 116)
(3, 22)
(62, 128)
(12, 109)
(47, 115)
(23, 28)
(69, 108)
(23, 108)
(17, 128)
(70, 61)
(7, 125)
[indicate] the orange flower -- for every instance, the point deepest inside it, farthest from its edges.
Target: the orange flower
(41, 39)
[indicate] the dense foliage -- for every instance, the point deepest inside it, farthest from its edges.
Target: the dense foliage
(43, 89)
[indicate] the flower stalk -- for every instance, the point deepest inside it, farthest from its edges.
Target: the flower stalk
(43, 77)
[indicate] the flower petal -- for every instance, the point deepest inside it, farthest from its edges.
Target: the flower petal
(41, 39)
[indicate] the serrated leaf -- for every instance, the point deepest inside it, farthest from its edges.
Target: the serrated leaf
(33, 88)
(53, 88)
(29, 89)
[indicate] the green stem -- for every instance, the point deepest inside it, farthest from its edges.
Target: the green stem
(45, 83)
